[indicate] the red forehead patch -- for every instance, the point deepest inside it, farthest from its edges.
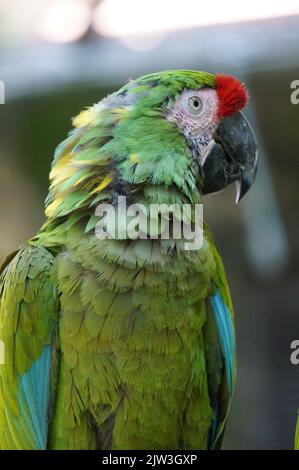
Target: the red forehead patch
(232, 95)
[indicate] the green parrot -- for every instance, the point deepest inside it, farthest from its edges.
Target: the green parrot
(123, 343)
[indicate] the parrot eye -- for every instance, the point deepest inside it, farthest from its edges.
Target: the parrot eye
(194, 105)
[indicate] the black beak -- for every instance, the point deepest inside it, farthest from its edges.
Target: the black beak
(233, 158)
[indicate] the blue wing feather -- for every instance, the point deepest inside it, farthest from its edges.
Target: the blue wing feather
(226, 333)
(34, 397)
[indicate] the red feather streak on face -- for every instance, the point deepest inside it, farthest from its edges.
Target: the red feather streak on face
(232, 95)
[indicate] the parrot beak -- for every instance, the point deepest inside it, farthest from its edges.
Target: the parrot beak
(232, 158)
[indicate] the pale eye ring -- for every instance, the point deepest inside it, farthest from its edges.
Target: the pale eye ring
(194, 105)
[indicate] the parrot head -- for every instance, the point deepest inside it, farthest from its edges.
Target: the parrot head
(218, 134)
(181, 132)
(202, 108)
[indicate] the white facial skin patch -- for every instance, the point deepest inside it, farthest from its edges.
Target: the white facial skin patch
(195, 124)
(195, 112)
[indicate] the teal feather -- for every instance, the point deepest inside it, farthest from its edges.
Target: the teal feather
(227, 339)
(34, 397)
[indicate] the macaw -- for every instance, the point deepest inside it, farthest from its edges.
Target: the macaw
(127, 343)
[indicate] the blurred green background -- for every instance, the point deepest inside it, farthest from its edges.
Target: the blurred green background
(58, 57)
